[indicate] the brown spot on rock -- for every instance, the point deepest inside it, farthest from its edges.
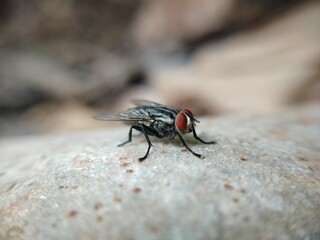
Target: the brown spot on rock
(98, 206)
(117, 199)
(136, 190)
(228, 186)
(124, 164)
(154, 229)
(244, 159)
(304, 159)
(235, 200)
(129, 171)
(72, 213)
(99, 218)
(312, 168)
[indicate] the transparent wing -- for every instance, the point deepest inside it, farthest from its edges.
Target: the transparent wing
(130, 115)
(110, 117)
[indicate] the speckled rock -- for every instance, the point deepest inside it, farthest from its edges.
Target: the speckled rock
(260, 181)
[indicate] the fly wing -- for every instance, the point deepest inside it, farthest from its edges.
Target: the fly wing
(146, 103)
(111, 117)
(131, 114)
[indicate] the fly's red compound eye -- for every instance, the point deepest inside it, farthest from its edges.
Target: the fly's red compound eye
(181, 121)
(189, 112)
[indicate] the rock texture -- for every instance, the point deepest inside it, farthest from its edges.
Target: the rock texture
(261, 181)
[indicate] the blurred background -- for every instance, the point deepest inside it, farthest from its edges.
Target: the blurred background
(63, 61)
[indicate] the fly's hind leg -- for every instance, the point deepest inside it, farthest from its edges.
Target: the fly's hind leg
(144, 131)
(130, 135)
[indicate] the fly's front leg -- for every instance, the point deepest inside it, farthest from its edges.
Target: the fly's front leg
(196, 137)
(187, 147)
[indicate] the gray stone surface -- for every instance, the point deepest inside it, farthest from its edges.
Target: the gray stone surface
(261, 181)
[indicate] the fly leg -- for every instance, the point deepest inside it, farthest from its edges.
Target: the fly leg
(144, 131)
(196, 137)
(187, 147)
(130, 136)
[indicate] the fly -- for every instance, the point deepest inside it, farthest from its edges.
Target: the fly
(154, 119)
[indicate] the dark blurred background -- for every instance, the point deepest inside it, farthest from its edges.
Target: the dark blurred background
(63, 61)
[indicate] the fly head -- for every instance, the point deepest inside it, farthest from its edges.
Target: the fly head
(185, 122)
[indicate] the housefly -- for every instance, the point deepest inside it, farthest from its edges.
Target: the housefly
(154, 119)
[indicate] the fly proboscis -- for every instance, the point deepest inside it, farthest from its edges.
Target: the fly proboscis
(154, 119)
